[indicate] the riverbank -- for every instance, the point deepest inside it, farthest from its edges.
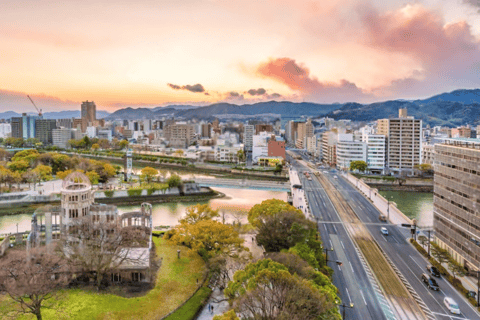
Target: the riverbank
(15, 209)
(409, 188)
(229, 173)
(388, 183)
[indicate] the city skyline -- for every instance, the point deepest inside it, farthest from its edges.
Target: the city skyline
(122, 54)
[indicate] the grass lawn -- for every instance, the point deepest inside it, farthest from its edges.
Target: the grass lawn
(176, 281)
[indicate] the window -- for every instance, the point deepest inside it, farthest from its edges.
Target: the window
(137, 276)
(116, 277)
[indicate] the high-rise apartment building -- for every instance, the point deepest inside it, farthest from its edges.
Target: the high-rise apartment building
(349, 150)
(89, 111)
(456, 200)
(43, 130)
(17, 127)
(180, 135)
(404, 142)
(61, 136)
(206, 130)
(66, 123)
(329, 147)
(248, 137)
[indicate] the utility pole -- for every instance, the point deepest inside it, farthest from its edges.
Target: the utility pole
(428, 243)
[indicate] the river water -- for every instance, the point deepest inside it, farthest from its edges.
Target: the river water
(416, 205)
(235, 202)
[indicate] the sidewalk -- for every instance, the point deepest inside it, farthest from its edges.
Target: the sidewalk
(218, 307)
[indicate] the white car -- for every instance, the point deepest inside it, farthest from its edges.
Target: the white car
(384, 231)
(335, 177)
(451, 305)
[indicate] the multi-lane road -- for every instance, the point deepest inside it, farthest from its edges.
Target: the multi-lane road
(353, 279)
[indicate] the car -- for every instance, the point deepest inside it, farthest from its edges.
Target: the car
(384, 231)
(430, 282)
(434, 271)
(335, 177)
(451, 305)
(325, 171)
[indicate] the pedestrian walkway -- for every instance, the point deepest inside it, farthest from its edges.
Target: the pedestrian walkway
(217, 301)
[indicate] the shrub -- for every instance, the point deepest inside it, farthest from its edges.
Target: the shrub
(109, 193)
(132, 192)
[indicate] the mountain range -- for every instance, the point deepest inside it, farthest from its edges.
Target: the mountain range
(53, 115)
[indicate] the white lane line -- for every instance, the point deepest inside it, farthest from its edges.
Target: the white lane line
(447, 315)
(363, 297)
(325, 226)
(342, 244)
(349, 299)
(331, 244)
(335, 229)
(351, 266)
(339, 267)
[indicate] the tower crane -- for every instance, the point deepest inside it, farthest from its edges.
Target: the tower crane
(38, 110)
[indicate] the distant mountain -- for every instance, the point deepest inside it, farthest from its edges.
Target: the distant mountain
(176, 107)
(463, 96)
(284, 108)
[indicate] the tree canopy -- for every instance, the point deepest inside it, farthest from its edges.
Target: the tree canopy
(358, 165)
(148, 173)
(269, 207)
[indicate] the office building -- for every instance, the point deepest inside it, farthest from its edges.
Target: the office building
(376, 149)
(329, 147)
(5, 130)
(456, 200)
(89, 111)
(60, 136)
(404, 143)
(28, 125)
(206, 130)
(428, 152)
(349, 150)
(65, 123)
(276, 147)
(263, 128)
(43, 130)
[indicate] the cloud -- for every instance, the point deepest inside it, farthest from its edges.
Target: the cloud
(257, 92)
(297, 77)
(197, 88)
(234, 95)
(449, 54)
(17, 101)
(473, 3)
(274, 96)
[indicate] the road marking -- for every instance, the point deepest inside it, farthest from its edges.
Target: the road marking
(331, 244)
(447, 315)
(325, 228)
(349, 299)
(339, 269)
(335, 229)
(342, 245)
(363, 297)
(351, 267)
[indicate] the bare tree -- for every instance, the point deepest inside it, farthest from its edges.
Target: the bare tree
(98, 247)
(32, 281)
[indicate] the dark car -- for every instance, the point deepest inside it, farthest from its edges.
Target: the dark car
(433, 271)
(430, 282)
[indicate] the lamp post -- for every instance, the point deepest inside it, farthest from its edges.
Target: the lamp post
(344, 307)
(428, 252)
(326, 253)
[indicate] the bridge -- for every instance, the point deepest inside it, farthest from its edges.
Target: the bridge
(244, 184)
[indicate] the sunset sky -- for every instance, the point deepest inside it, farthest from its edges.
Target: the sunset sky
(123, 53)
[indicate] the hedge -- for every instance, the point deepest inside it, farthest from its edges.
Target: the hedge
(109, 193)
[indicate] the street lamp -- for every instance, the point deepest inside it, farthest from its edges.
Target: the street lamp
(339, 263)
(344, 307)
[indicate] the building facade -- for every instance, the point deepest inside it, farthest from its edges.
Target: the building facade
(43, 130)
(180, 135)
(17, 127)
(376, 149)
(456, 200)
(404, 142)
(349, 150)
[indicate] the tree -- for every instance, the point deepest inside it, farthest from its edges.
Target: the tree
(229, 315)
(101, 247)
(423, 240)
(3, 154)
(424, 168)
(123, 144)
(198, 213)
(104, 144)
(63, 174)
(456, 269)
(209, 238)
(358, 165)
(440, 254)
(240, 155)
(19, 165)
(44, 172)
(32, 281)
(268, 208)
(95, 146)
(174, 181)
(266, 290)
(178, 153)
(283, 230)
(148, 173)
(93, 177)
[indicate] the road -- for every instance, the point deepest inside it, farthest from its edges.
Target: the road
(351, 278)
(406, 258)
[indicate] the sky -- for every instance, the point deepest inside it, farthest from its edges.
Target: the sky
(144, 53)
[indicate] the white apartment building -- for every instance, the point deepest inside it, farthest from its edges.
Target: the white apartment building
(376, 152)
(349, 150)
(227, 153)
(61, 136)
(91, 132)
(249, 131)
(428, 151)
(5, 130)
(260, 146)
(404, 138)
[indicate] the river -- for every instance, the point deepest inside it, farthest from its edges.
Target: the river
(416, 205)
(168, 214)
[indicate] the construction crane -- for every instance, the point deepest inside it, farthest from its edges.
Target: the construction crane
(38, 110)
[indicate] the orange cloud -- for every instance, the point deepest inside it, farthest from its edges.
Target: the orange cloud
(297, 77)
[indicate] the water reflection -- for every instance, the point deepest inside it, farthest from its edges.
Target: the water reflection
(417, 205)
(235, 203)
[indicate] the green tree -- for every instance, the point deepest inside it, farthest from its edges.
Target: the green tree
(209, 238)
(267, 290)
(241, 155)
(174, 181)
(456, 269)
(358, 165)
(424, 168)
(269, 208)
(44, 172)
(18, 166)
(29, 155)
(93, 177)
(440, 254)
(95, 146)
(123, 144)
(148, 173)
(199, 212)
